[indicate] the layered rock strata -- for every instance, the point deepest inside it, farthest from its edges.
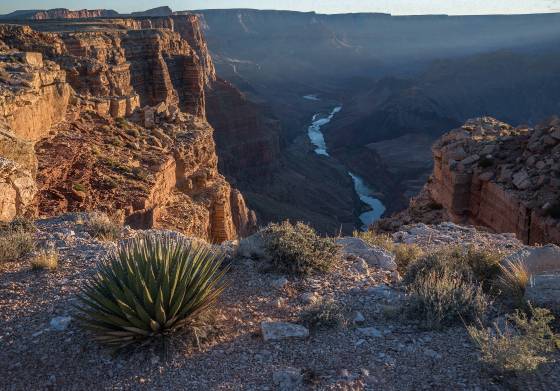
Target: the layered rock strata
(491, 174)
(117, 117)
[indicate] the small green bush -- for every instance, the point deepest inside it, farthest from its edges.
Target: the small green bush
(101, 226)
(297, 249)
(440, 299)
(149, 287)
(521, 346)
(325, 314)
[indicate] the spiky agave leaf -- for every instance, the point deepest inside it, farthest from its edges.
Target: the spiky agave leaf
(151, 285)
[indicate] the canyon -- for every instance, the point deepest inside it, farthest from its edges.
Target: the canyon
(111, 115)
(131, 85)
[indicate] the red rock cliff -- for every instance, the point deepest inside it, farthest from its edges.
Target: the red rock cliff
(508, 179)
(159, 165)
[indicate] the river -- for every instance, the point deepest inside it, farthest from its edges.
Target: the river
(360, 187)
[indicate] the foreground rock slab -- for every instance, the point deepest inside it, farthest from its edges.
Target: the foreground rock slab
(374, 256)
(538, 259)
(277, 331)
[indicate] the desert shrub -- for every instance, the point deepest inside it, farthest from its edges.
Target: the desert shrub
(102, 226)
(440, 299)
(472, 264)
(521, 345)
(297, 249)
(151, 286)
(16, 239)
(484, 262)
(406, 255)
(45, 259)
(513, 280)
(374, 239)
(325, 314)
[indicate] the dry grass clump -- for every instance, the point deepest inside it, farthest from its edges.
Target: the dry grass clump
(45, 259)
(476, 264)
(440, 299)
(16, 239)
(522, 345)
(513, 280)
(297, 249)
(325, 314)
(372, 238)
(102, 226)
(405, 254)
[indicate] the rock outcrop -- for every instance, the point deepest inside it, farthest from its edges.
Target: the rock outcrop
(491, 174)
(116, 111)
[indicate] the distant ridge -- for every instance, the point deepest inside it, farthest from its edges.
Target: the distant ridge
(58, 13)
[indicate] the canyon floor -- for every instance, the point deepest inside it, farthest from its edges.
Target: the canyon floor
(375, 351)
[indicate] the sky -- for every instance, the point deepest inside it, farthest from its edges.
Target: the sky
(395, 7)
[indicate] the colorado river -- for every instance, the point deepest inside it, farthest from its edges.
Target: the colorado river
(364, 192)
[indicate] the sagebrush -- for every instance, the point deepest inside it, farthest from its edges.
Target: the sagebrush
(297, 249)
(440, 299)
(16, 239)
(325, 314)
(524, 343)
(102, 226)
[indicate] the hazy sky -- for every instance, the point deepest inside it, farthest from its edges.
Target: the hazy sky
(461, 7)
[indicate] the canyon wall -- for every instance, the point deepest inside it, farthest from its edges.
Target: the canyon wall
(117, 117)
(508, 179)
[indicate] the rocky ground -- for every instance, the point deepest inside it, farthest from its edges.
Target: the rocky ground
(43, 347)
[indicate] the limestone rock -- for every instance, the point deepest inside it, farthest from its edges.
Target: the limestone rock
(17, 190)
(374, 256)
(288, 379)
(544, 291)
(277, 331)
(538, 259)
(60, 323)
(505, 189)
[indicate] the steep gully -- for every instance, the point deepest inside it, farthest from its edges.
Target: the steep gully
(360, 187)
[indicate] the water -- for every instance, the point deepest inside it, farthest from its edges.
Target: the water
(364, 192)
(311, 97)
(314, 131)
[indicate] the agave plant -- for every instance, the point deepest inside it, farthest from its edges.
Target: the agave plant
(150, 286)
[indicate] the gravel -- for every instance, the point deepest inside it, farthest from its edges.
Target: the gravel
(42, 347)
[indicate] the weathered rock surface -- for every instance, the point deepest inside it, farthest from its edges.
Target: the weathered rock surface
(17, 190)
(277, 331)
(374, 256)
(538, 259)
(68, 91)
(511, 187)
(544, 291)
